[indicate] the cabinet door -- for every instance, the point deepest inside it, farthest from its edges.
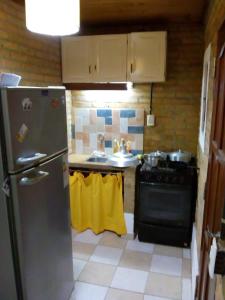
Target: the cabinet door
(111, 59)
(77, 59)
(147, 56)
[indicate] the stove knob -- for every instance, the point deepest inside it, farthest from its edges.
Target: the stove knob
(174, 179)
(159, 178)
(181, 180)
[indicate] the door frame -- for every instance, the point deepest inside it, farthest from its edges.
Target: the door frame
(204, 281)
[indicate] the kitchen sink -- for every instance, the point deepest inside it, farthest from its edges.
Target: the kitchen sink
(97, 159)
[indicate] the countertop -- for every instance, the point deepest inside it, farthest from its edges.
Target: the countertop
(80, 161)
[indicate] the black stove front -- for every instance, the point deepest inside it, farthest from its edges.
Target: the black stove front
(165, 203)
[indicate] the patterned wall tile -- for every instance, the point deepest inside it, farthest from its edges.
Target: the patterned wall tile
(127, 113)
(123, 125)
(108, 143)
(93, 141)
(112, 124)
(104, 113)
(136, 129)
(108, 121)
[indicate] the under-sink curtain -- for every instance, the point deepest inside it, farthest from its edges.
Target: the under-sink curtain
(96, 202)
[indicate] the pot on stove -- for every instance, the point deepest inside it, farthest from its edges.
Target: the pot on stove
(152, 159)
(181, 156)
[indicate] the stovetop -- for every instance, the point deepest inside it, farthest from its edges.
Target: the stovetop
(168, 172)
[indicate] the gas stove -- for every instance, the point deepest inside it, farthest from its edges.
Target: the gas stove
(165, 202)
(167, 172)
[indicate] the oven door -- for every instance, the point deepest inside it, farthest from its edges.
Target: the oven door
(165, 204)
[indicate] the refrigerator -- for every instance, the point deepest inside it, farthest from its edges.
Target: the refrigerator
(35, 235)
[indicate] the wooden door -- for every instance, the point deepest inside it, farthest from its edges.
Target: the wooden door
(77, 59)
(111, 59)
(215, 189)
(146, 56)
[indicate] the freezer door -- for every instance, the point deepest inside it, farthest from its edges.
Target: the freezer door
(34, 125)
(41, 207)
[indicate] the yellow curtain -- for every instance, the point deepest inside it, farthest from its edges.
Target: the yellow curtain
(97, 202)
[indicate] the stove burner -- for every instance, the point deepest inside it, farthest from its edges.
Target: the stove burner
(169, 172)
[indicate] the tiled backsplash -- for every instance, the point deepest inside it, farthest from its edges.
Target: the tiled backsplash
(95, 129)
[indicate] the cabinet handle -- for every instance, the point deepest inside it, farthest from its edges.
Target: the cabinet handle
(95, 68)
(131, 68)
(89, 69)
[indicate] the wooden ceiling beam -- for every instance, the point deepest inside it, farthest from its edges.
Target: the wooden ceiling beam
(21, 2)
(100, 12)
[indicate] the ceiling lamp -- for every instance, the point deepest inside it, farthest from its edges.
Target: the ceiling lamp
(53, 17)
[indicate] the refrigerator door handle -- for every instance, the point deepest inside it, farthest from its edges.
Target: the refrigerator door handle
(30, 159)
(26, 181)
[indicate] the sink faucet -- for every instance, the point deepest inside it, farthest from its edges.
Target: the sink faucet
(123, 147)
(101, 139)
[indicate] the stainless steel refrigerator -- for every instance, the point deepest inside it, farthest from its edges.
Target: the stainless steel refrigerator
(35, 235)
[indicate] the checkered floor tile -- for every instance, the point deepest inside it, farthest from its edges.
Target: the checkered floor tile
(108, 267)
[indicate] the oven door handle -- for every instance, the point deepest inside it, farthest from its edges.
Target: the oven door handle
(164, 184)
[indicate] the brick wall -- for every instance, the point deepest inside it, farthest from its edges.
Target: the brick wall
(175, 102)
(36, 58)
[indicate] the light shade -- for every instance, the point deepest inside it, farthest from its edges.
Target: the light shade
(53, 17)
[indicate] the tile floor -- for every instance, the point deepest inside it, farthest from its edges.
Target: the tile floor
(107, 267)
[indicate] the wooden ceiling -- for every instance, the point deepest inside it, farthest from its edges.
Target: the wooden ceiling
(96, 12)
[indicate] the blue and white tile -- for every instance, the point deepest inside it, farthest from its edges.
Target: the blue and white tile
(86, 291)
(106, 255)
(104, 113)
(127, 113)
(88, 236)
(131, 280)
(166, 265)
(136, 129)
(101, 125)
(124, 125)
(93, 141)
(109, 151)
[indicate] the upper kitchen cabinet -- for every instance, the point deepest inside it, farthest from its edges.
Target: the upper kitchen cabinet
(111, 59)
(77, 59)
(146, 57)
(101, 58)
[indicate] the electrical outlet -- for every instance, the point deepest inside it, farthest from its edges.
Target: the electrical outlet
(150, 120)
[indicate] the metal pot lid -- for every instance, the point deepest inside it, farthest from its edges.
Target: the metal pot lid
(156, 154)
(180, 152)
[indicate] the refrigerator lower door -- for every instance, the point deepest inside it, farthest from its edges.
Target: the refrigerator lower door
(41, 207)
(8, 289)
(34, 125)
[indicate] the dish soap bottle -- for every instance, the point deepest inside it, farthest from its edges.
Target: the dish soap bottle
(116, 146)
